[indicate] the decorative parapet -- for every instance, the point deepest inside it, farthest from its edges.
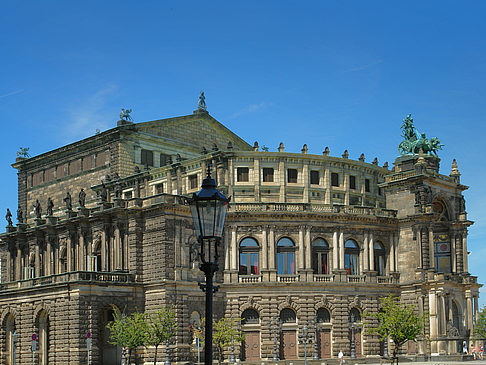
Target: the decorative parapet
(69, 277)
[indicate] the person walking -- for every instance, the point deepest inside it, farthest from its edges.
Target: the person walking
(473, 351)
(341, 357)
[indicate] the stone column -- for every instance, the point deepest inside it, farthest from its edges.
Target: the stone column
(234, 249)
(271, 249)
(308, 248)
(169, 181)
(335, 252)
(81, 252)
(459, 253)
(37, 259)
(372, 253)
(104, 251)
(453, 252)
(341, 250)
(392, 252)
(366, 262)
(9, 265)
(433, 322)
(48, 259)
(305, 175)
(327, 185)
(464, 248)
(421, 344)
(18, 264)
(443, 318)
(282, 181)
(476, 309)
(227, 254)
(264, 248)
(301, 249)
(69, 254)
(431, 248)
(424, 240)
(346, 188)
(116, 247)
(257, 181)
(469, 310)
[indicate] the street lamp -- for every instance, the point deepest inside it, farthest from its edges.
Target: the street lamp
(316, 342)
(208, 210)
(305, 338)
(273, 329)
(352, 326)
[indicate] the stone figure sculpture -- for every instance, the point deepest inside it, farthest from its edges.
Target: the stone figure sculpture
(103, 193)
(201, 104)
(82, 198)
(23, 152)
(20, 216)
(125, 115)
(412, 144)
(50, 206)
(37, 209)
(8, 217)
(68, 201)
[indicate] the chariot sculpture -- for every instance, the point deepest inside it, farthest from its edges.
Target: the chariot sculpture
(413, 143)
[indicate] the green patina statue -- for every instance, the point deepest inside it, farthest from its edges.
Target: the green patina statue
(413, 144)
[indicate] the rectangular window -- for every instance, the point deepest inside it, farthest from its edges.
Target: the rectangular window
(74, 167)
(49, 174)
(352, 182)
(292, 176)
(193, 181)
(159, 188)
(242, 174)
(87, 163)
(314, 177)
(100, 159)
(379, 191)
(164, 159)
(334, 179)
(128, 195)
(267, 174)
(147, 158)
(367, 185)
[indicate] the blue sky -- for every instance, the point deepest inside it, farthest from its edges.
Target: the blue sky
(325, 73)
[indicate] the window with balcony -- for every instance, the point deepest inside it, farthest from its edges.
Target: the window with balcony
(314, 177)
(292, 176)
(193, 182)
(334, 179)
(380, 258)
(249, 250)
(285, 257)
(352, 182)
(320, 254)
(147, 158)
(242, 174)
(351, 257)
(267, 174)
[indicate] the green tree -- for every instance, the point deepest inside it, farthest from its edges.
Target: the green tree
(225, 333)
(397, 321)
(480, 327)
(128, 331)
(161, 327)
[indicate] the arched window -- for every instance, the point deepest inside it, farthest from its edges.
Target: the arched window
(63, 261)
(323, 316)
(354, 316)
(250, 316)
(97, 258)
(351, 255)
(249, 257)
(320, 251)
(11, 334)
(285, 256)
(380, 262)
(442, 252)
(43, 328)
(440, 209)
(287, 315)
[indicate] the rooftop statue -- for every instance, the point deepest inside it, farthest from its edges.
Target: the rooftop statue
(412, 142)
(23, 152)
(125, 115)
(201, 104)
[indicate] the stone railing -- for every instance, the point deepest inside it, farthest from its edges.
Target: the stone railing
(288, 278)
(250, 278)
(308, 207)
(75, 276)
(321, 278)
(356, 278)
(385, 280)
(163, 199)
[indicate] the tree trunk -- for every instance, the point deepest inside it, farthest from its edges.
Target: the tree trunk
(155, 356)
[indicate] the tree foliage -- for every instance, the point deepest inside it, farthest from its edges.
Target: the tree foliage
(225, 333)
(480, 327)
(161, 327)
(398, 321)
(128, 331)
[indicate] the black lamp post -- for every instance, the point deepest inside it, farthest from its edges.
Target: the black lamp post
(352, 327)
(305, 338)
(208, 210)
